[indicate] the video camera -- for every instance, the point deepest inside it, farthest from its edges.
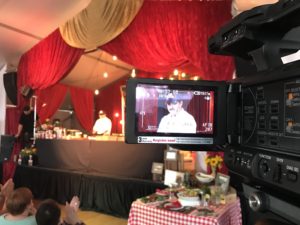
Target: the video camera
(254, 119)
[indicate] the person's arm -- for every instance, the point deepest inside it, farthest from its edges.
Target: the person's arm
(20, 128)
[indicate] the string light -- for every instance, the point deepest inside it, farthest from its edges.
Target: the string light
(196, 78)
(183, 75)
(117, 115)
(96, 92)
(175, 72)
(161, 78)
(133, 74)
(114, 58)
(105, 74)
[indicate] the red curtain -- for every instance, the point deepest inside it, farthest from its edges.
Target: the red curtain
(170, 34)
(83, 102)
(49, 100)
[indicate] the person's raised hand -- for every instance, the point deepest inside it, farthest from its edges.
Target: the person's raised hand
(71, 216)
(7, 188)
(75, 203)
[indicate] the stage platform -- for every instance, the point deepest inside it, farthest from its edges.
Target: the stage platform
(108, 194)
(106, 175)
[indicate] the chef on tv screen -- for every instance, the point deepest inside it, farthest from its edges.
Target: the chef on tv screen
(164, 110)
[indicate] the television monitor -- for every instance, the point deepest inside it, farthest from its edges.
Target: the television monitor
(175, 112)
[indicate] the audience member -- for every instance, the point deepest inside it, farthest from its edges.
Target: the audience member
(20, 209)
(48, 213)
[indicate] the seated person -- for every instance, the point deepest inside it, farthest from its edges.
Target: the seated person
(102, 125)
(20, 209)
(49, 213)
(178, 120)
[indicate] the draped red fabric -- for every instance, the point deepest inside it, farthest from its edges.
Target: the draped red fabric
(169, 34)
(83, 102)
(47, 62)
(11, 126)
(12, 121)
(49, 100)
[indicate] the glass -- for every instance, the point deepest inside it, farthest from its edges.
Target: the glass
(171, 189)
(215, 192)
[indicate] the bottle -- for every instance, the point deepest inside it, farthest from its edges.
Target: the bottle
(186, 180)
(20, 160)
(30, 161)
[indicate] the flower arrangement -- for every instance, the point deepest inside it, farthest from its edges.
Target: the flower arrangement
(27, 151)
(214, 162)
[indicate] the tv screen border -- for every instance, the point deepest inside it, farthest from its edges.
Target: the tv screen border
(132, 136)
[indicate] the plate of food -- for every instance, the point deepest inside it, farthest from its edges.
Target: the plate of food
(173, 206)
(162, 192)
(153, 198)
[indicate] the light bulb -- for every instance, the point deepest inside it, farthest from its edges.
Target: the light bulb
(133, 74)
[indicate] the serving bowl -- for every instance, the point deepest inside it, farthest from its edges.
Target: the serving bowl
(189, 197)
(204, 178)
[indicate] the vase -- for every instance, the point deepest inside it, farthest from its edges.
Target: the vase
(213, 171)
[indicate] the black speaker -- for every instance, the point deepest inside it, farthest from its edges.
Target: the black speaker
(10, 85)
(7, 145)
(26, 91)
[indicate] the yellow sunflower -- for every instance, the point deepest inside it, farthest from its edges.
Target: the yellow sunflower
(213, 162)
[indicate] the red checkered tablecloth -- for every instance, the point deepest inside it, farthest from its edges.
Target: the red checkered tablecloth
(149, 214)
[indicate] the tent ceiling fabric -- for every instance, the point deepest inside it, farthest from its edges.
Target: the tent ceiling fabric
(23, 23)
(99, 23)
(89, 71)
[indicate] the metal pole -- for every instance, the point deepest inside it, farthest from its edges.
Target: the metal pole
(34, 121)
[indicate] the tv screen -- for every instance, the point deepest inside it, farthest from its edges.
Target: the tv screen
(174, 112)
